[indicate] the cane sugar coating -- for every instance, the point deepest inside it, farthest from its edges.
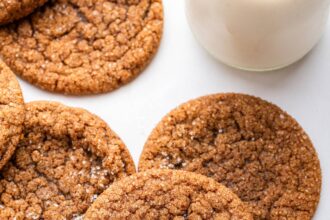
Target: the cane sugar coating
(84, 46)
(11, 113)
(14, 9)
(249, 145)
(65, 160)
(166, 194)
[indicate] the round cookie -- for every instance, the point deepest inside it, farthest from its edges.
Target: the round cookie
(14, 9)
(11, 113)
(249, 145)
(84, 47)
(166, 194)
(65, 160)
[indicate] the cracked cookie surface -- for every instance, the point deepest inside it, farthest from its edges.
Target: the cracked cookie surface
(167, 194)
(84, 46)
(65, 160)
(249, 145)
(11, 113)
(15, 9)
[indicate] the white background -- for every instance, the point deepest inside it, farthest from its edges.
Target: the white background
(183, 70)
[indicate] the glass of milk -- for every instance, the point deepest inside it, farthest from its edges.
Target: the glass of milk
(258, 35)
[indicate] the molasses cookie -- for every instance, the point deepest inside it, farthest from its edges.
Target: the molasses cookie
(166, 194)
(249, 145)
(65, 160)
(14, 9)
(11, 113)
(84, 47)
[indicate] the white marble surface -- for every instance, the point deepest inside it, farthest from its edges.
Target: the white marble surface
(183, 70)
